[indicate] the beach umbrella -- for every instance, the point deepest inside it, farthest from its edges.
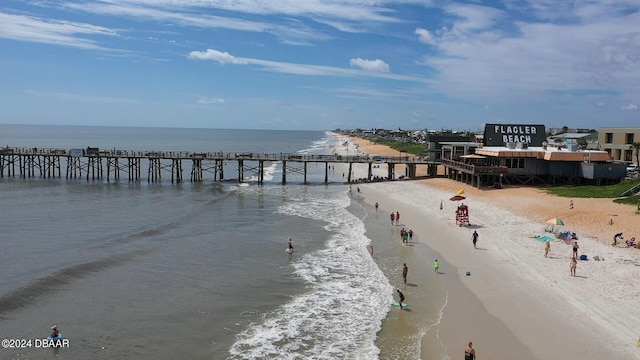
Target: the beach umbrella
(457, 198)
(554, 221)
(461, 191)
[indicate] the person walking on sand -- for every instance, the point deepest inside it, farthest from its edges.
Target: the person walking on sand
(470, 352)
(436, 266)
(405, 271)
(572, 266)
(474, 238)
(401, 296)
(410, 235)
(377, 207)
(392, 218)
(575, 249)
(397, 218)
(547, 248)
(616, 237)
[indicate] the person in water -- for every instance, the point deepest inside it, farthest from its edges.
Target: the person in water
(401, 296)
(290, 245)
(470, 352)
(405, 271)
(54, 332)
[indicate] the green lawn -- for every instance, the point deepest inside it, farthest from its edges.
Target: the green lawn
(608, 192)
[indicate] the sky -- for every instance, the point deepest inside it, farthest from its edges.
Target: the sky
(320, 64)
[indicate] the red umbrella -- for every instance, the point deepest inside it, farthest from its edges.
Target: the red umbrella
(457, 198)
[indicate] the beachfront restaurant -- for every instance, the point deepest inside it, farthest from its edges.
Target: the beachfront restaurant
(531, 161)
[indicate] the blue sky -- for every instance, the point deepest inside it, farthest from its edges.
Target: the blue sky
(320, 64)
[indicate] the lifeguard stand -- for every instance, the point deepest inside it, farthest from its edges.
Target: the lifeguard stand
(462, 215)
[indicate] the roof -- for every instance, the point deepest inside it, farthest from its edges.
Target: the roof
(550, 153)
(473, 156)
(570, 136)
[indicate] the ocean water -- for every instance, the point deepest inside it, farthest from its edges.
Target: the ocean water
(188, 270)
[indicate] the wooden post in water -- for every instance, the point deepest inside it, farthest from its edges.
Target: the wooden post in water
(326, 172)
(305, 173)
(240, 171)
(284, 172)
(349, 175)
(370, 172)
(196, 170)
(391, 171)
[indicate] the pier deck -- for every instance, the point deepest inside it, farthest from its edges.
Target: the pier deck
(91, 163)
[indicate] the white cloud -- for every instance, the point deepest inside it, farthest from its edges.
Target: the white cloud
(629, 107)
(478, 58)
(211, 101)
(376, 65)
(219, 56)
(65, 33)
(425, 37)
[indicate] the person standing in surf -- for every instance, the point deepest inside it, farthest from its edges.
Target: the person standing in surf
(397, 218)
(392, 218)
(290, 245)
(401, 296)
(470, 352)
(405, 271)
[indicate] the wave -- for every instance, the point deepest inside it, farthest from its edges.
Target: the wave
(347, 300)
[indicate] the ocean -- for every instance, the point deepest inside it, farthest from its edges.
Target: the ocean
(196, 270)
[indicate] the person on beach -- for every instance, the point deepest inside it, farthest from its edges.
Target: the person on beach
(474, 238)
(405, 271)
(54, 332)
(410, 235)
(290, 245)
(575, 249)
(376, 207)
(615, 239)
(371, 250)
(397, 218)
(573, 265)
(392, 218)
(547, 248)
(401, 296)
(436, 266)
(470, 352)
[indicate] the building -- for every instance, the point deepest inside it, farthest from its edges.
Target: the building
(521, 155)
(618, 142)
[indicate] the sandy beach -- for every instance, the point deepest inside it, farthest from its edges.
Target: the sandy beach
(517, 303)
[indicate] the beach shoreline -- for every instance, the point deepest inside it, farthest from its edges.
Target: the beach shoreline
(554, 315)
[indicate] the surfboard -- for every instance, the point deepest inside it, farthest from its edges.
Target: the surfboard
(397, 304)
(289, 251)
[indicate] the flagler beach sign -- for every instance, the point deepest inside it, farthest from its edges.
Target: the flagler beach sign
(501, 134)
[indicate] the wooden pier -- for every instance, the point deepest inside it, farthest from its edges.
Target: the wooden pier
(96, 164)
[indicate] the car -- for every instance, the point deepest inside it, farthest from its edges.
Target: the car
(631, 168)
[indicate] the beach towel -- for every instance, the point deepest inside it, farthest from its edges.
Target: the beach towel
(544, 238)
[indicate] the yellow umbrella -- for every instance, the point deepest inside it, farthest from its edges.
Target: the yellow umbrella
(461, 191)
